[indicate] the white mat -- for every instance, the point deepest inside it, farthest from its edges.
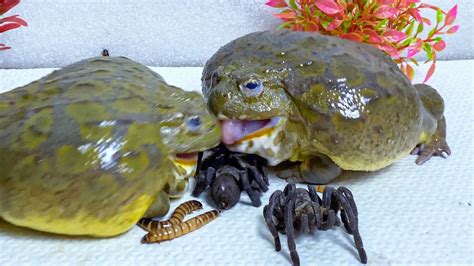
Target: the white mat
(408, 213)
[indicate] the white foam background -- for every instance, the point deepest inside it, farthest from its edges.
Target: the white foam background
(159, 32)
(409, 214)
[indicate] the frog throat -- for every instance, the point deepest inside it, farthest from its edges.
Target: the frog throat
(259, 137)
(184, 167)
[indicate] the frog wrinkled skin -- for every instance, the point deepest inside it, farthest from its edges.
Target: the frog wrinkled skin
(328, 103)
(89, 148)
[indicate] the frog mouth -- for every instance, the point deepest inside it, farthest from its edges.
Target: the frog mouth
(190, 158)
(235, 131)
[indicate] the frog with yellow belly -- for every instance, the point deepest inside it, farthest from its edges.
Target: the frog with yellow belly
(328, 103)
(90, 148)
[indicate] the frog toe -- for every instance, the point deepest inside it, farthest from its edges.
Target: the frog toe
(319, 170)
(159, 207)
(438, 147)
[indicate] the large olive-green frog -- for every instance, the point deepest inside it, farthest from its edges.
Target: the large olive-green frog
(87, 149)
(328, 103)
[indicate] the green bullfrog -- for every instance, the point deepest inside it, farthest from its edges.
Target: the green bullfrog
(91, 148)
(321, 102)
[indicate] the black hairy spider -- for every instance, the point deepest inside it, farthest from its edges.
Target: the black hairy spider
(298, 209)
(228, 173)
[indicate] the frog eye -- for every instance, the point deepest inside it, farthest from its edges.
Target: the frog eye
(193, 123)
(251, 87)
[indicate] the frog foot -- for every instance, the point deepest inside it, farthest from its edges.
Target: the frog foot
(437, 147)
(318, 169)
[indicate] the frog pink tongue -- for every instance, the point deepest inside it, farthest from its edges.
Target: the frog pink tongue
(234, 130)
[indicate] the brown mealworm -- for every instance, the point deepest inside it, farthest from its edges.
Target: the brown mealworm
(177, 230)
(177, 217)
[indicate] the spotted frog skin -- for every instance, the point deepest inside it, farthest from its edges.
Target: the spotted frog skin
(87, 149)
(328, 103)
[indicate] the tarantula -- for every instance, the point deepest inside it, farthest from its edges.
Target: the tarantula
(228, 173)
(298, 209)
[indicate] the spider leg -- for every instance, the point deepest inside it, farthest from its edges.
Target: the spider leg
(253, 194)
(350, 198)
(199, 163)
(353, 223)
(288, 188)
(329, 222)
(268, 215)
(313, 195)
(261, 169)
(327, 196)
(289, 212)
(304, 223)
(253, 173)
(258, 178)
(318, 214)
(204, 179)
(330, 203)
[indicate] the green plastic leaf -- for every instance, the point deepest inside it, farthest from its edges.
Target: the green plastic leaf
(439, 16)
(293, 5)
(285, 25)
(420, 28)
(428, 50)
(410, 28)
(407, 41)
(345, 26)
(432, 32)
(324, 23)
(414, 61)
(381, 24)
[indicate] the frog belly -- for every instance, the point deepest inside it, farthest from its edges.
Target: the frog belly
(83, 223)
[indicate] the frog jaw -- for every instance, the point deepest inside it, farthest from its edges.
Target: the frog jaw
(187, 162)
(184, 166)
(261, 137)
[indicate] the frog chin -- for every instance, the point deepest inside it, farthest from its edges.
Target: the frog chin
(186, 162)
(184, 167)
(255, 137)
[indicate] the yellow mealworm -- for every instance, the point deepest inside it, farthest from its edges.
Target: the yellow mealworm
(177, 230)
(320, 188)
(177, 217)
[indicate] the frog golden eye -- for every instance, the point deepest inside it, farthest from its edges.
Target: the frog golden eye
(193, 123)
(251, 87)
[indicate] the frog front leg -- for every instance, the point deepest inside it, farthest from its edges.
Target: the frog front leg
(159, 207)
(433, 133)
(318, 169)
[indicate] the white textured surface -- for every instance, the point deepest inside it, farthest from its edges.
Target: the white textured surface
(161, 32)
(408, 213)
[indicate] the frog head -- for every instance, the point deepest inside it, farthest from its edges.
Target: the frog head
(186, 127)
(253, 106)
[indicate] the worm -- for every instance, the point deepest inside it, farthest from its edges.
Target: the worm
(176, 230)
(177, 217)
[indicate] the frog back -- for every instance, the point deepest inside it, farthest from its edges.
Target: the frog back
(358, 107)
(80, 151)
